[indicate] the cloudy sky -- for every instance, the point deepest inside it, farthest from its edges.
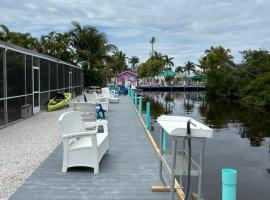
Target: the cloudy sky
(183, 28)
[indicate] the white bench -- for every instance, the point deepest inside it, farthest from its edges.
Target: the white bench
(83, 146)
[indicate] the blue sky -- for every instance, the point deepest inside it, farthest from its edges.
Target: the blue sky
(183, 28)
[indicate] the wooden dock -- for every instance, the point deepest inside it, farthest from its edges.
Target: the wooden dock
(127, 172)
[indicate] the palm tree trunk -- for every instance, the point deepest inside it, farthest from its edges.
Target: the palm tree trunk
(152, 49)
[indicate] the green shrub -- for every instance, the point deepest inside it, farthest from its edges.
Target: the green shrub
(258, 91)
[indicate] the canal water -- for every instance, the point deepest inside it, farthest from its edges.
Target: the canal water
(241, 141)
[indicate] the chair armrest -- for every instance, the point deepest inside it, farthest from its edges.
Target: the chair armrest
(102, 99)
(80, 134)
(95, 124)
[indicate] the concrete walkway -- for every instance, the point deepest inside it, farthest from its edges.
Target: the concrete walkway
(127, 172)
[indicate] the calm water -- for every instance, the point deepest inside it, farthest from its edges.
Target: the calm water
(241, 141)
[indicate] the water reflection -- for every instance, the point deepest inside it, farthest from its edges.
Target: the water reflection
(252, 123)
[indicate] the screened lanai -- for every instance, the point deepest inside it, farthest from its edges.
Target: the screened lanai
(28, 77)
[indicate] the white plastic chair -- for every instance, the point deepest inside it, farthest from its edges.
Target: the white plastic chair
(107, 94)
(82, 147)
(87, 109)
(104, 101)
(91, 98)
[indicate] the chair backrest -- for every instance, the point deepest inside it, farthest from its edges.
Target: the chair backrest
(92, 98)
(101, 98)
(95, 95)
(87, 109)
(106, 92)
(70, 122)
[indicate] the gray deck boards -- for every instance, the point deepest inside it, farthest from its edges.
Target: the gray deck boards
(126, 172)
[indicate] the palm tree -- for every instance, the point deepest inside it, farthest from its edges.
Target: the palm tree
(133, 61)
(117, 61)
(152, 41)
(203, 64)
(189, 66)
(91, 46)
(21, 39)
(168, 61)
(217, 55)
(157, 55)
(4, 33)
(179, 69)
(58, 45)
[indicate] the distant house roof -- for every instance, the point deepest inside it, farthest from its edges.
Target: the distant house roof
(168, 73)
(32, 53)
(127, 72)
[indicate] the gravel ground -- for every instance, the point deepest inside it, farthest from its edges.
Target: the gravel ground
(24, 146)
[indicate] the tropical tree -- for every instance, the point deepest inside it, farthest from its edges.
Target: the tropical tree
(216, 57)
(21, 39)
(58, 45)
(157, 55)
(221, 78)
(189, 66)
(151, 67)
(133, 61)
(91, 46)
(203, 64)
(117, 61)
(179, 69)
(152, 41)
(256, 62)
(4, 32)
(168, 61)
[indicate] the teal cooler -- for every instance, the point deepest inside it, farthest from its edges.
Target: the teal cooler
(229, 183)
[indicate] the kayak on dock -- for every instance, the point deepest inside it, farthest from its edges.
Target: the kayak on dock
(59, 101)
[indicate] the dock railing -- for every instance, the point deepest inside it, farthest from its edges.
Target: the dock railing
(137, 103)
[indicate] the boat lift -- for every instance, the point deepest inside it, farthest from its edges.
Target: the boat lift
(178, 163)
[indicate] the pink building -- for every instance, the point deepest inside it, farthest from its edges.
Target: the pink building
(127, 78)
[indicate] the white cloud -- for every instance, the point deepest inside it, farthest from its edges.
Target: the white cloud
(183, 28)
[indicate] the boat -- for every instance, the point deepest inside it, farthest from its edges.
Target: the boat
(59, 101)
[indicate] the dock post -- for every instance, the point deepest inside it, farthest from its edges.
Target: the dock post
(129, 92)
(148, 116)
(136, 101)
(229, 182)
(132, 96)
(164, 146)
(140, 105)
